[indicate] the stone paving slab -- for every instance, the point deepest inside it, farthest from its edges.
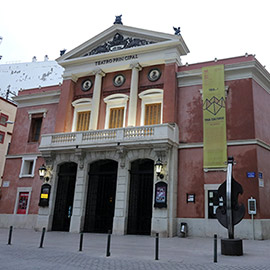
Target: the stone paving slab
(61, 251)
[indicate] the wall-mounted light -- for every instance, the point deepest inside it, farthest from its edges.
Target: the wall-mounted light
(159, 167)
(42, 171)
(45, 173)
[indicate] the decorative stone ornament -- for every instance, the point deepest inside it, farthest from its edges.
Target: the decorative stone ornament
(154, 74)
(118, 19)
(119, 42)
(119, 80)
(177, 31)
(86, 85)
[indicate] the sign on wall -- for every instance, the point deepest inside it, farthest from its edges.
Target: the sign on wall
(214, 117)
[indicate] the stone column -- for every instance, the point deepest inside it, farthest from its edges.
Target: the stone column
(132, 112)
(96, 100)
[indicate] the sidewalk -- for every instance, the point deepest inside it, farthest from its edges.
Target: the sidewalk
(61, 251)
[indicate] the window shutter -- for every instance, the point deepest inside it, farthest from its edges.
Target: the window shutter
(83, 121)
(116, 117)
(152, 114)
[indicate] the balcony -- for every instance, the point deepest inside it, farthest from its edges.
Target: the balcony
(131, 137)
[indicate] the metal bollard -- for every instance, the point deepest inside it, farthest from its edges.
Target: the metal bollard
(157, 246)
(215, 248)
(81, 241)
(42, 238)
(108, 253)
(10, 235)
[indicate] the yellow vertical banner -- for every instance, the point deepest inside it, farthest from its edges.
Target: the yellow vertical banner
(214, 117)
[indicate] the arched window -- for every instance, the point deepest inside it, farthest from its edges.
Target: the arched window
(152, 106)
(116, 110)
(82, 112)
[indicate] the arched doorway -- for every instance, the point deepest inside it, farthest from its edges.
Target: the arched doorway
(140, 197)
(64, 197)
(101, 196)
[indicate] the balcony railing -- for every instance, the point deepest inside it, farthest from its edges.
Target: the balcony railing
(164, 133)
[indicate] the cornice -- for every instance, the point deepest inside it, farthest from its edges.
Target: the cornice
(42, 98)
(119, 60)
(23, 155)
(229, 143)
(131, 51)
(243, 70)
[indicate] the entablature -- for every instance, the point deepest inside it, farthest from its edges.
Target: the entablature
(237, 71)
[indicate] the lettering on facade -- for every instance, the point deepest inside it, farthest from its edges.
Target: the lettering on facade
(214, 119)
(116, 59)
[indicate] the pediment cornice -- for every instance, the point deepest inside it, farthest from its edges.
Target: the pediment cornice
(119, 40)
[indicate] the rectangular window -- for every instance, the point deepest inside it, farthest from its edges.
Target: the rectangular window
(83, 121)
(2, 136)
(3, 119)
(116, 117)
(22, 203)
(152, 114)
(28, 167)
(35, 128)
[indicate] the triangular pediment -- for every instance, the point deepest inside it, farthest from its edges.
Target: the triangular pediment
(122, 38)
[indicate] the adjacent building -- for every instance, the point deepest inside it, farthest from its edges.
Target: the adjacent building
(7, 117)
(127, 108)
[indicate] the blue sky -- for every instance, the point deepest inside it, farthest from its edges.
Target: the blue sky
(210, 28)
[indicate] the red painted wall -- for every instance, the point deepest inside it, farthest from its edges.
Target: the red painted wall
(64, 114)
(19, 147)
(170, 94)
(263, 156)
(239, 112)
(192, 178)
(11, 174)
(19, 142)
(261, 112)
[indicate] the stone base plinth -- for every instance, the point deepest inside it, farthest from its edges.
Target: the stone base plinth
(232, 247)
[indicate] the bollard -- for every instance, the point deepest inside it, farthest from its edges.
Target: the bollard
(157, 246)
(108, 253)
(10, 235)
(215, 248)
(81, 241)
(42, 238)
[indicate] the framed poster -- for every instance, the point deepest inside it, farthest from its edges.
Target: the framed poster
(161, 195)
(45, 195)
(22, 203)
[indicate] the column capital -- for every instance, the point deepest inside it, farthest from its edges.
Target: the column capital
(72, 77)
(99, 72)
(136, 66)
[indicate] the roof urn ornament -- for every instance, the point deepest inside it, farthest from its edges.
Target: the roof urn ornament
(118, 19)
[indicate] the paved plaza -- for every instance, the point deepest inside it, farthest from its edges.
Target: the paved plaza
(61, 251)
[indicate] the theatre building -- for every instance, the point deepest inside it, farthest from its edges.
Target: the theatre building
(127, 108)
